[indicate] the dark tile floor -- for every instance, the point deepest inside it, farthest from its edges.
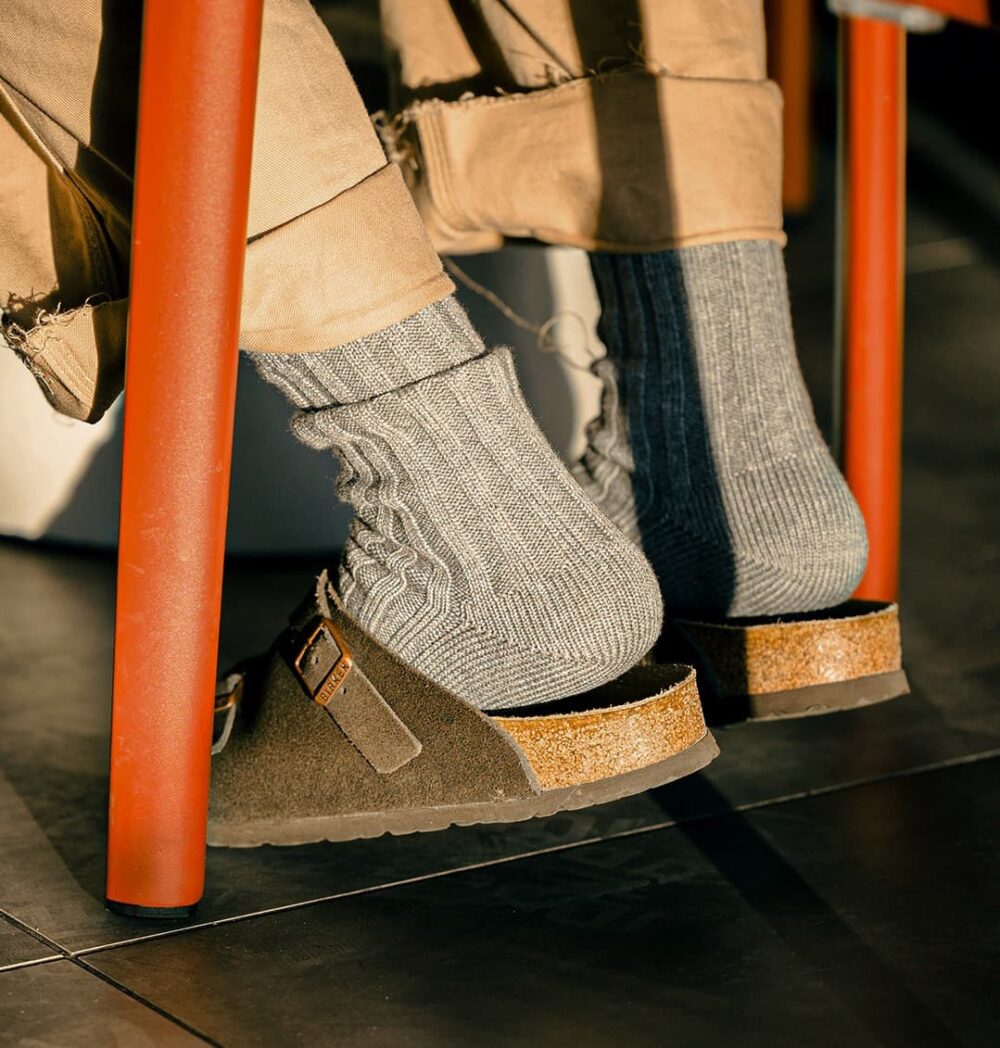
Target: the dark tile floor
(826, 882)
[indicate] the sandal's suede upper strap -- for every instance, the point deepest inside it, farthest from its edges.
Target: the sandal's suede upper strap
(323, 664)
(292, 757)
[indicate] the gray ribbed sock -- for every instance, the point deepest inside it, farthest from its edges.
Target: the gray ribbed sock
(706, 452)
(473, 555)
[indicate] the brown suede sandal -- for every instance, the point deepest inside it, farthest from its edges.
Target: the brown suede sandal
(331, 737)
(792, 665)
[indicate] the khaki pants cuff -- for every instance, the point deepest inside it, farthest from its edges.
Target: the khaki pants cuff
(77, 356)
(631, 161)
(340, 272)
(345, 270)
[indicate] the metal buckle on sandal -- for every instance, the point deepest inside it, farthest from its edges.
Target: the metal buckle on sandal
(321, 677)
(228, 694)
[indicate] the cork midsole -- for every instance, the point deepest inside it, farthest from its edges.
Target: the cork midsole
(576, 747)
(783, 654)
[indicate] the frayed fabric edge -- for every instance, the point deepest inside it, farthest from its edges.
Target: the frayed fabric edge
(75, 355)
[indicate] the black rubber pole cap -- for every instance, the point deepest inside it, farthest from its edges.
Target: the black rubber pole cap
(159, 913)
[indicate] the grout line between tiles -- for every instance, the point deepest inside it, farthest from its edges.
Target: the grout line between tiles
(64, 954)
(348, 894)
(17, 965)
(61, 953)
(554, 849)
(853, 784)
(145, 1002)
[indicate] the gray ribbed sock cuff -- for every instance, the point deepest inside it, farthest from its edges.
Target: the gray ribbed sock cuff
(433, 340)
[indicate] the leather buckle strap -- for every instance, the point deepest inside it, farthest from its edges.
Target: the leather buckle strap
(321, 659)
(323, 662)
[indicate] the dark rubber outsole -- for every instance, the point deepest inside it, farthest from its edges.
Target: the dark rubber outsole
(814, 701)
(159, 913)
(422, 820)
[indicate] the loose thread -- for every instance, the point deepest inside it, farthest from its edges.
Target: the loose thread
(542, 332)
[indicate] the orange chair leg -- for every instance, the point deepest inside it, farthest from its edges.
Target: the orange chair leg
(196, 104)
(873, 141)
(789, 63)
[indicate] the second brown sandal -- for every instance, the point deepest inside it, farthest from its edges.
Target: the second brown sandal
(793, 665)
(331, 737)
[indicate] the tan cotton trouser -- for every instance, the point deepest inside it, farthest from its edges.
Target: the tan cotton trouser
(618, 124)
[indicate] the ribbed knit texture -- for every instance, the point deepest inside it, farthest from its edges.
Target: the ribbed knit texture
(706, 452)
(473, 554)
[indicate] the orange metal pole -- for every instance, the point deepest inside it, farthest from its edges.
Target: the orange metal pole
(196, 104)
(873, 140)
(789, 62)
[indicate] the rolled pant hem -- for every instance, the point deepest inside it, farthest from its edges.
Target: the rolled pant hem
(544, 237)
(628, 161)
(349, 327)
(340, 272)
